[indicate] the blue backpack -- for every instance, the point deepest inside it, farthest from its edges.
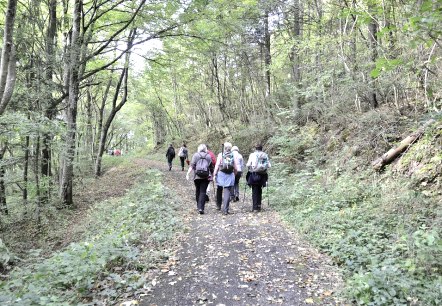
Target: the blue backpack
(262, 163)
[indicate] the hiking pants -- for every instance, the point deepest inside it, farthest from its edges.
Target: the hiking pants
(169, 162)
(256, 196)
(182, 162)
(236, 186)
(200, 192)
(223, 197)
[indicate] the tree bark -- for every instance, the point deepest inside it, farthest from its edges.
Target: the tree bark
(73, 66)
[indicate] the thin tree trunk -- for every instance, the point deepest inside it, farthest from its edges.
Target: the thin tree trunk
(116, 107)
(267, 54)
(373, 39)
(3, 206)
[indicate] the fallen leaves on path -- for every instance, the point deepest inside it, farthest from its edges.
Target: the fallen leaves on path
(240, 259)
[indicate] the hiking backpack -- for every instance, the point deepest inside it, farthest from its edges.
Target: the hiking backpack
(202, 166)
(227, 162)
(262, 163)
(182, 152)
(171, 152)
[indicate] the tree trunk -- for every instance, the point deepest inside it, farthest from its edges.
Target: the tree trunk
(67, 167)
(3, 206)
(373, 40)
(267, 54)
(294, 57)
(116, 107)
(391, 155)
(8, 65)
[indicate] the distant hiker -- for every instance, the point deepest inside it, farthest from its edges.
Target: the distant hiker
(111, 152)
(224, 172)
(170, 155)
(183, 155)
(240, 165)
(202, 166)
(117, 152)
(257, 176)
(211, 183)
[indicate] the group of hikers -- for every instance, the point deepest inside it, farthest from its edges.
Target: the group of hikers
(226, 170)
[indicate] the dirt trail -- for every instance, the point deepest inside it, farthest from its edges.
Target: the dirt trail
(241, 259)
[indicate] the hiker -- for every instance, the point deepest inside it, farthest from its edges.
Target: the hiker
(183, 155)
(239, 160)
(170, 155)
(211, 183)
(201, 165)
(257, 176)
(224, 172)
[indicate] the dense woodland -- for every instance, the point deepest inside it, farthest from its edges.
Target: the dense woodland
(327, 86)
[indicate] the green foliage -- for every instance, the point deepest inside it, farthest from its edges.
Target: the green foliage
(387, 240)
(113, 235)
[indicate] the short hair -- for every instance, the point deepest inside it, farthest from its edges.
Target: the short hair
(235, 148)
(227, 146)
(202, 148)
(258, 147)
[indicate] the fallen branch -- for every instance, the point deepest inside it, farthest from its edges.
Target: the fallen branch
(405, 143)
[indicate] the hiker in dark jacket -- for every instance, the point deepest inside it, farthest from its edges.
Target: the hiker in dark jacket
(257, 176)
(170, 155)
(201, 165)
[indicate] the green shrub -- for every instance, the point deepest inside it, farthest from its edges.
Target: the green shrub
(387, 239)
(113, 235)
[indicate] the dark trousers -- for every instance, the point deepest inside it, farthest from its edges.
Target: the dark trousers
(223, 196)
(169, 162)
(236, 186)
(182, 162)
(256, 196)
(200, 192)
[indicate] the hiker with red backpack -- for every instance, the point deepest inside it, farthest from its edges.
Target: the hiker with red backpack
(202, 166)
(225, 170)
(257, 176)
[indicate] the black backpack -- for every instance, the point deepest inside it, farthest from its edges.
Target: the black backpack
(171, 152)
(202, 166)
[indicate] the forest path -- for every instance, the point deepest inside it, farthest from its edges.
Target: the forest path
(240, 259)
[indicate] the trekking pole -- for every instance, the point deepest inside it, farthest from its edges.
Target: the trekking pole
(268, 196)
(244, 197)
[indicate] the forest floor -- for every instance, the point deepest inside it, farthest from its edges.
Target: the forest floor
(240, 259)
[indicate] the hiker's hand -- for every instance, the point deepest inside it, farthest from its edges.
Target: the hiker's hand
(187, 176)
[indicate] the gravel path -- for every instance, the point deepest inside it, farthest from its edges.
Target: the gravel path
(240, 259)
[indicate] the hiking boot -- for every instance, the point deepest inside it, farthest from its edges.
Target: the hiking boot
(207, 198)
(236, 199)
(201, 211)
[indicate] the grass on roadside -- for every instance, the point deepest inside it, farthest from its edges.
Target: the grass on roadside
(387, 239)
(122, 238)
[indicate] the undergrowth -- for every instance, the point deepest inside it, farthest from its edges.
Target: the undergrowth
(384, 229)
(122, 238)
